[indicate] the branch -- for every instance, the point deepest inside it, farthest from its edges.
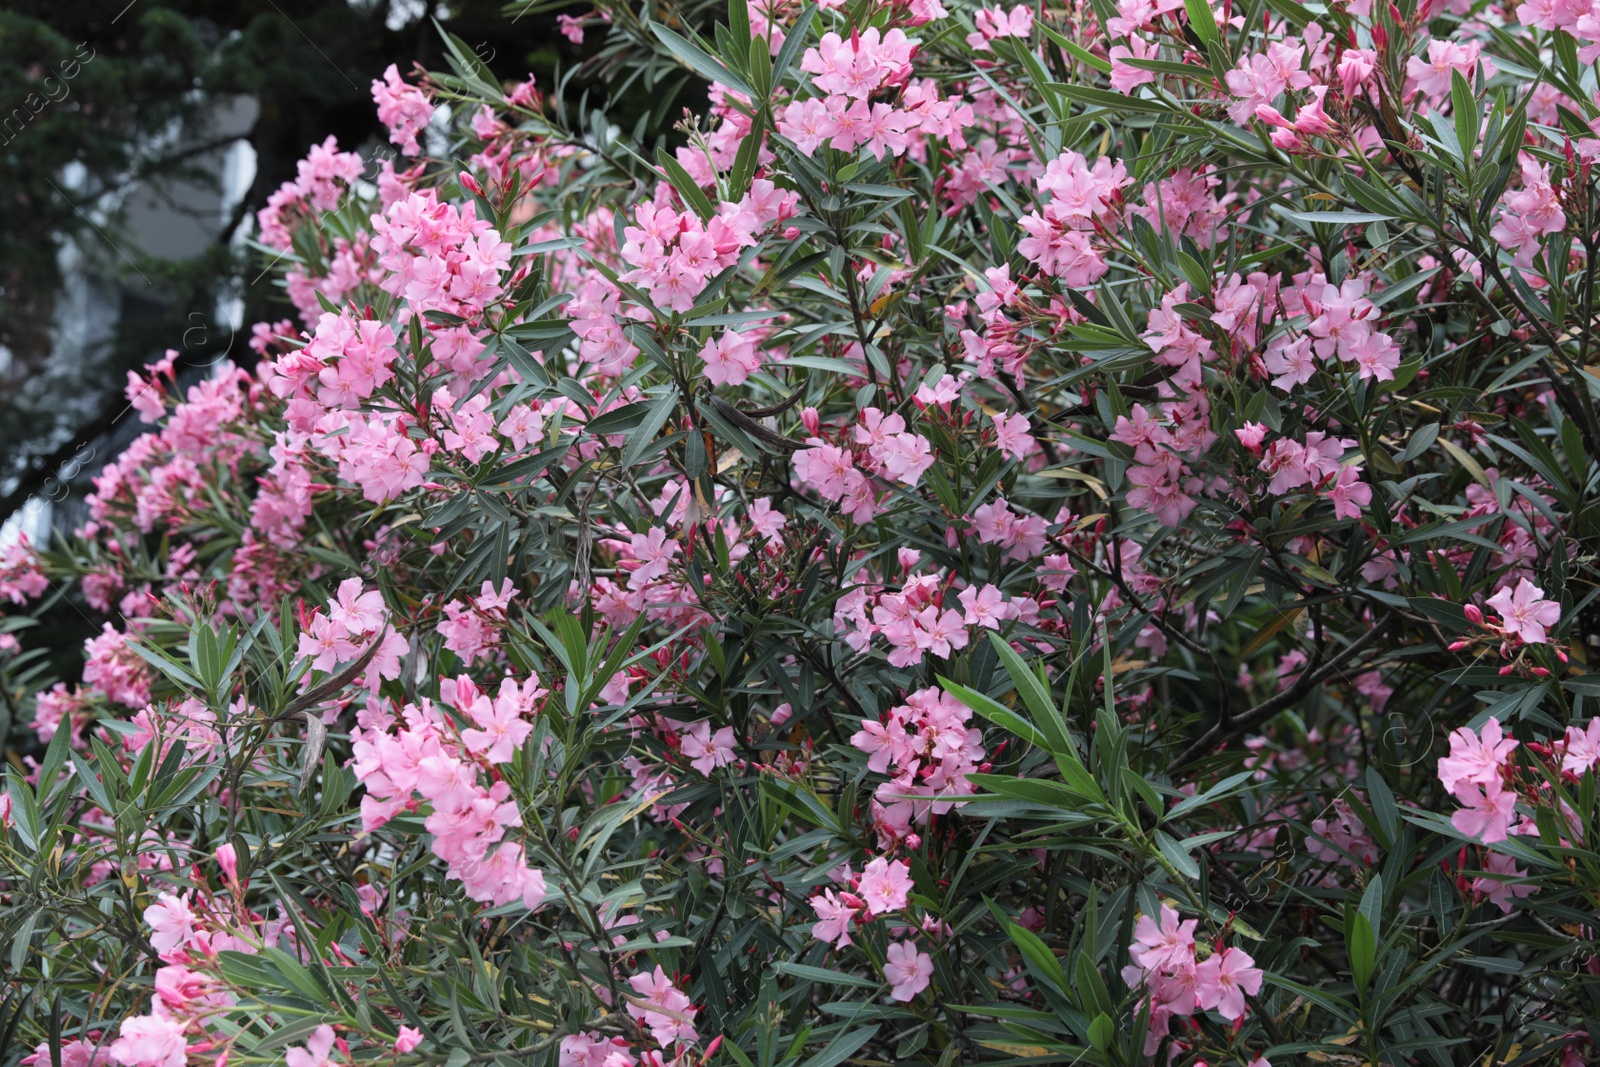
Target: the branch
(1227, 728)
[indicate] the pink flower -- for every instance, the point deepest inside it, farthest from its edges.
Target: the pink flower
(407, 1040)
(1251, 434)
(1349, 493)
(503, 729)
(571, 28)
(1524, 613)
(1222, 981)
(1169, 946)
(1432, 76)
(834, 917)
(1476, 758)
(985, 607)
(327, 644)
(79, 1053)
(667, 1012)
(884, 885)
(1502, 891)
(150, 1041)
(940, 632)
(315, 1054)
(171, 922)
(707, 751)
(228, 861)
(1012, 437)
(1580, 750)
(1486, 816)
(907, 970)
(730, 359)
(593, 1050)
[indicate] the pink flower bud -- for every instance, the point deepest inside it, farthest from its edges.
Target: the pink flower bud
(470, 183)
(1251, 434)
(1473, 615)
(810, 420)
(791, 233)
(1272, 116)
(228, 860)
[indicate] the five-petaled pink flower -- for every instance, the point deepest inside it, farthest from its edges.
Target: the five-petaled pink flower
(1222, 981)
(885, 885)
(907, 970)
(1166, 946)
(1474, 757)
(1525, 613)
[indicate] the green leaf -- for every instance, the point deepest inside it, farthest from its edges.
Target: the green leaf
(1109, 100)
(692, 194)
(1384, 809)
(823, 975)
(1102, 1031)
(1176, 855)
(1468, 119)
(997, 713)
(620, 420)
(1362, 947)
(645, 434)
(1091, 987)
(1338, 217)
(842, 1047)
(1077, 51)
(701, 63)
(1372, 903)
(1036, 695)
(1034, 790)
(1202, 20)
(23, 939)
(1040, 960)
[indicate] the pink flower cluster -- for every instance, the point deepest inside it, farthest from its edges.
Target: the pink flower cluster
(998, 22)
(1476, 773)
(346, 630)
(1163, 482)
(322, 180)
(848, 73)
(115, 669)
(403, 108)
(21, 576)
(440, 257)
(884, 886)
(675, 253)
(880, 446)
(1164, 962)
(928, 749)
(425, 753)
(1084, 202)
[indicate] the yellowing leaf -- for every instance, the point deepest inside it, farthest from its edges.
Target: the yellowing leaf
(1459, 454)
(1026, 1051)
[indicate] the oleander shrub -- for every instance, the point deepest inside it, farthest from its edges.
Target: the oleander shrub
(1052, 535)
